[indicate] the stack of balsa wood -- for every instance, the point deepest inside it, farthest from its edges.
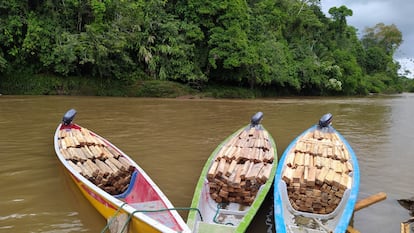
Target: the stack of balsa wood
(242, 165)
(317, 172)
(99, 163)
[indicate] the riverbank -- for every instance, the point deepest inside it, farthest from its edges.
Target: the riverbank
(92, 86)
(20, 84)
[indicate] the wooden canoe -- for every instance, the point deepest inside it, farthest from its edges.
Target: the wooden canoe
(113, 183)
(234, 181)
(317, 182)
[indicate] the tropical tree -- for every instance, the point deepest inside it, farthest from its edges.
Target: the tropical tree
(387, 37)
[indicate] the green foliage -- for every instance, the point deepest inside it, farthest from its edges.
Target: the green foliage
(339, 16)
(160, 89)
(408, 84)
(289, 46)
(3, 63)
(376, 60)
(387, 37)
(42, 84)
(229, 92)
(351, 71)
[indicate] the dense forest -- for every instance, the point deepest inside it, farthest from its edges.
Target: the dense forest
(280, 46)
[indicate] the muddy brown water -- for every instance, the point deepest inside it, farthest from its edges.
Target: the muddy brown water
(172, 138)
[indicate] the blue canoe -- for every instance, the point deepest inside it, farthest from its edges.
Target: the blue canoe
(316, 183)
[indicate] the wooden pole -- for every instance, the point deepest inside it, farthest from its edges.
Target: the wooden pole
(367, 202)
(351, 230)
(370, 200)
(405, 226)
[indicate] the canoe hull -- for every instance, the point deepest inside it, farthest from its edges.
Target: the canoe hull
(143, 203)
(287, 219)
(234, 217)
(108, 209)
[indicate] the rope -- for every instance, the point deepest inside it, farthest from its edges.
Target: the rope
(112, 218)
(326, 229)
(159, 210)
(215, 216)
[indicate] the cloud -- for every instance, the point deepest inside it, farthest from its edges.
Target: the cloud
(407, 64)
(367, 13)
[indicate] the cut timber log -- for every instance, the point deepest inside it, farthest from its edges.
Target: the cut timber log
(114, 168)
(221, 167)
(240, 167)
(94, 168)
(265, 172)
(75, 166)
(316, 172)
(212, 172)
(288, 175)
(95, 160)
(231, 168)
(126, 163)
(103, 167)
(254, 171)
(118, 164)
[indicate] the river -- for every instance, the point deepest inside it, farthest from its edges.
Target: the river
(172, 138)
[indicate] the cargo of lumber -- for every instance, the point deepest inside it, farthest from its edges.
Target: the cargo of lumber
(317, 172)
(95, 160)
(241, 166)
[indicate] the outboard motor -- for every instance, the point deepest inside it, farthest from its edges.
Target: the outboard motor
(256, 118)
(68, 117)
(325, 120)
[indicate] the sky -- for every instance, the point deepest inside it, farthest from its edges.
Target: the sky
(367, 13)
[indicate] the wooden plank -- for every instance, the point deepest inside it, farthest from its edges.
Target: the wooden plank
(62, 143)
(118, 164)
(267, 169)
(237, 178)
(125, 162)
(93, 166)
(254, 171)
(86, 170)
(231, 168)
(114, 168)
(245, 169)
(221, 166)
(305, 174)
(299, 159)
(311, 177)
(337, 166)
(337, 180)
(322, 174)
(103, 167)
(330, 176)
(212, 171)
(290, 159)
(297, 174)
(307, 159)
(65, 155)
(68, 142)
(75, 166)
